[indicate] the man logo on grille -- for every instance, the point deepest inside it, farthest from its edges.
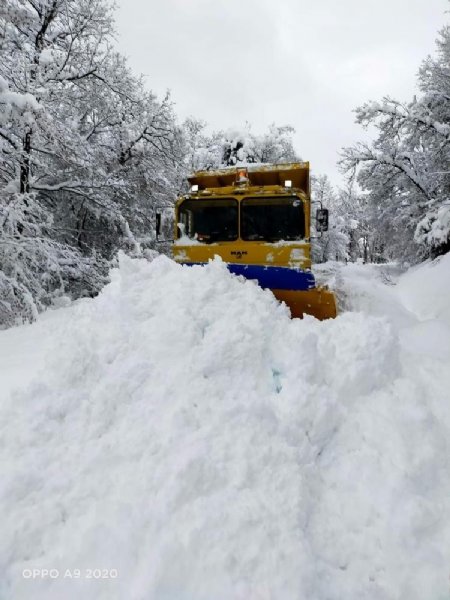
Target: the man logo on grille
(238, 253)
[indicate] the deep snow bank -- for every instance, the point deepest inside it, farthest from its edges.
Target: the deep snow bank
(425, 290)
(189, 435)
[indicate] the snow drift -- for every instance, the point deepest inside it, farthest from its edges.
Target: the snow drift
(189, 437)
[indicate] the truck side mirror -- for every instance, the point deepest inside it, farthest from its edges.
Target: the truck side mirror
(322, 219)
(164, 225)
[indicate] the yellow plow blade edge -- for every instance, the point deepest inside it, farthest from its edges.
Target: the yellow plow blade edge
(318, 302)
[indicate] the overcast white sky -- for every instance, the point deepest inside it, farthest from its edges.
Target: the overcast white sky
(307, 63)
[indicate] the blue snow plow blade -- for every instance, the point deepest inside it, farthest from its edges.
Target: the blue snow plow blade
(274, 278)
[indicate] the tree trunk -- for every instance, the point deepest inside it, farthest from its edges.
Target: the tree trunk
(25, 164)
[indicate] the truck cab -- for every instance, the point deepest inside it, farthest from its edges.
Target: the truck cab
(257, 219)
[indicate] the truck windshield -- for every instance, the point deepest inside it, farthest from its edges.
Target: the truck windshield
(272, 219)
(209, 221)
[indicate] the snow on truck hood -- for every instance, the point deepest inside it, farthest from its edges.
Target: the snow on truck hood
(190, 441)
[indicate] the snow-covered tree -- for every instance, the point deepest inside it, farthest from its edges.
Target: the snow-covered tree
(234, 147)
(201, 151)
(35, 267)
(334, 243)
(405, 170)
(244, 146)
(82, 142)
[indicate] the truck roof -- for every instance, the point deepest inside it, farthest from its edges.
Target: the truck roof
(258, 175)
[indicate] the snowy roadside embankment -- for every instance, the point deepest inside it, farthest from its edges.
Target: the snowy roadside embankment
(187, 434)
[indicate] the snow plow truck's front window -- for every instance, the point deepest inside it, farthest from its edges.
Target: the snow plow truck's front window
(272, 219)
(209, 221)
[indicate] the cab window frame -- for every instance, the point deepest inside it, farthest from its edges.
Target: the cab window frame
(233, 202)
(246, 201)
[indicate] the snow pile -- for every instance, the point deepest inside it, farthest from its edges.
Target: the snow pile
(192, 438)
(425, 290)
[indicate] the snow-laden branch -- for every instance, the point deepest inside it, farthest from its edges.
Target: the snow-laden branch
(352, 157)
(405, 115)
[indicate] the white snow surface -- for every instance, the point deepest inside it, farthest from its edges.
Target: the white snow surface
(182, 430)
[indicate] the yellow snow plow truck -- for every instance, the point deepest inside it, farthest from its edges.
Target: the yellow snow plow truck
(257, 219)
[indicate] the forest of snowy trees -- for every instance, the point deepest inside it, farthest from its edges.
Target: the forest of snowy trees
(405, 173)
(88, 155)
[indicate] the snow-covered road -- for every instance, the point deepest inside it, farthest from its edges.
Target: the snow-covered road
(185, 437)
